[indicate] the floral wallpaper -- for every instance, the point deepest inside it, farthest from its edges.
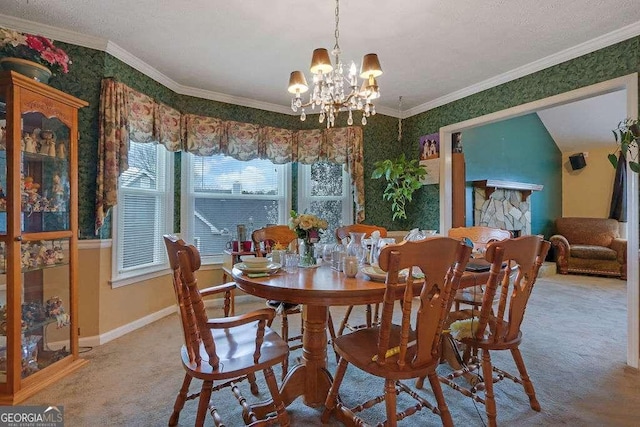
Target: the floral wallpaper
(380, 134)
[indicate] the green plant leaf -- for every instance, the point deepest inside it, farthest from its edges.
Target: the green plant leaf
(635, 166)
(613, 160)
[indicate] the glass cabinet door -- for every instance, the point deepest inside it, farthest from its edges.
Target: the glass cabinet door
(44, 218)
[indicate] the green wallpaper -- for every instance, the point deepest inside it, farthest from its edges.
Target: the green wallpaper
(614, 61)
(520, 150)
(380, 134)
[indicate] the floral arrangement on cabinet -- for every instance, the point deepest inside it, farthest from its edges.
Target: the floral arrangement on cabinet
(33, 48)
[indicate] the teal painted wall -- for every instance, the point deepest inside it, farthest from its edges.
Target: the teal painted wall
(521, 150)
(613, 61)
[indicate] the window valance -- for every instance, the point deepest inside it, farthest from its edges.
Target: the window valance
(128, 114)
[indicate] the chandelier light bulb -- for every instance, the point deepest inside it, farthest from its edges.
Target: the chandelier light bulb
(329, 80)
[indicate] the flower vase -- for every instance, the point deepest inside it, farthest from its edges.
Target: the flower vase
(27, 68)
(307, 259)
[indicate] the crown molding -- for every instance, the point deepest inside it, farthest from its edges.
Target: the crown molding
(603, 41)
(55, 33)
(230, 99)
(116, 51)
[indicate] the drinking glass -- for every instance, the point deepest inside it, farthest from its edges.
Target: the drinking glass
(327, 253)
(291, 262)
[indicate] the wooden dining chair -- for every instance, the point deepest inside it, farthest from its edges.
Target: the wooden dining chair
(225, 350)
(515, 264)
(480, 236)
(264, 240)
(371, 315)
(399, 352)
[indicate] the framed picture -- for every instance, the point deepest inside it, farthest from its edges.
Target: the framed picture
(430, 146)
(430, 157)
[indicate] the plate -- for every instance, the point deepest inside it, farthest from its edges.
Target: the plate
(316, 265)
(272, 267)
(377, 275)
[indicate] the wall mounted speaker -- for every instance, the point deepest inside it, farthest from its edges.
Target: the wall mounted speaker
(577, 161)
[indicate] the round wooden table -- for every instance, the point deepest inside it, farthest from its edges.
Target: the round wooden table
(317, 289)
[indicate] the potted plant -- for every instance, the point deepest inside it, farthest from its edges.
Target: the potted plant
(627, 136)
(32, 55)
(403, 178)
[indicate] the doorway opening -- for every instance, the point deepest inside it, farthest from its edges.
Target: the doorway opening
(629, 84)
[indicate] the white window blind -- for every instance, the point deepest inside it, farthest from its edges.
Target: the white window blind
(144, 211)
(220, 192)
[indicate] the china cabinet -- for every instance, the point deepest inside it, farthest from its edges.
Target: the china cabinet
(38, 236)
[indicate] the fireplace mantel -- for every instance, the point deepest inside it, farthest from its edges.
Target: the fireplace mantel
(490, 185)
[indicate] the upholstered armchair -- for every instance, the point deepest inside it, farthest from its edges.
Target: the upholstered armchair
(590, 246)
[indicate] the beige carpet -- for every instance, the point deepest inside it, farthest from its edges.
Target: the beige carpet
(574, 347)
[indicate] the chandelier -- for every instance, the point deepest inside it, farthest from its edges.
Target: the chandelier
(333, 91)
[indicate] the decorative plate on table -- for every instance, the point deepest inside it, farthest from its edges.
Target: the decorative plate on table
(316, 265)
(271, 267)
(376, 274)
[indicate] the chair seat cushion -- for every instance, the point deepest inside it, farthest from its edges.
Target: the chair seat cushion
(592, 252)
(235, 347)
(360, 346)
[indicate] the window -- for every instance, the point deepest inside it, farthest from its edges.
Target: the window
(220, 192)
(144, 212)
(325, 190)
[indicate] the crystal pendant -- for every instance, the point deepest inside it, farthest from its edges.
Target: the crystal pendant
(364, 120)
(321, 118)
(303, 116)
(350, 119)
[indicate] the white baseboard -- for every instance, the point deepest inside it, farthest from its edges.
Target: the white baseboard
(96, 340)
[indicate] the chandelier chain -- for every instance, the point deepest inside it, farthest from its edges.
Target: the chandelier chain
(336, 33)
(400, 119)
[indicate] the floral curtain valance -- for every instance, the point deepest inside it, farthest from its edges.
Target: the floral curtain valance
(126, 113)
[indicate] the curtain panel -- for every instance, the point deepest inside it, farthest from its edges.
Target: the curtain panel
(128, 114)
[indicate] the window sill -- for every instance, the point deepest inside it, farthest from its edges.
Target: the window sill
(133, 278)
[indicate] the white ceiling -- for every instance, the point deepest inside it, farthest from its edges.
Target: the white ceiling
(243, 51)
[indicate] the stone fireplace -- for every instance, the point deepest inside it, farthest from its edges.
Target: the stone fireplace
(503, 204)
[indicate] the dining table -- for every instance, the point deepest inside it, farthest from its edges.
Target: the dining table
(317, 289)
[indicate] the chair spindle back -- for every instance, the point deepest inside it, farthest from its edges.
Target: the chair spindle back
(442, 260)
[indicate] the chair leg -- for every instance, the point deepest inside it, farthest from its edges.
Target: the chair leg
(368, 315)
(390, 402)
(332, 397)
(445, 415)
(278, 403)
(345, 320)
(180, 400)
(490, 401)
(285, 337)
(254, 386)
(528, 385)
(203, 403)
